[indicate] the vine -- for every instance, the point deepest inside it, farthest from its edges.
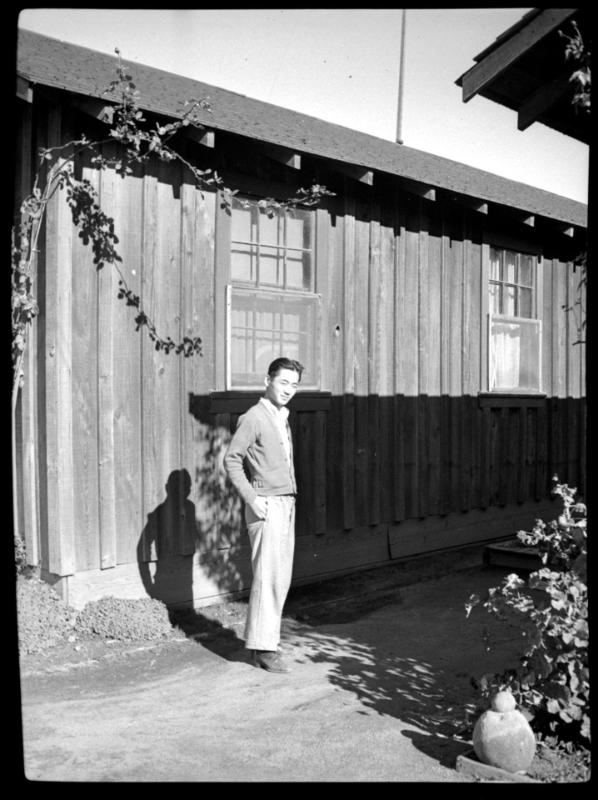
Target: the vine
(139, 142)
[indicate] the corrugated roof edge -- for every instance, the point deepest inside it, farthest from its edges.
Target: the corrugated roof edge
(52, 62)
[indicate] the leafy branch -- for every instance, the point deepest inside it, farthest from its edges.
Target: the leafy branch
(577, 51)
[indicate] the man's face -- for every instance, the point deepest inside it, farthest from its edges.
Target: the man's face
(281, 388)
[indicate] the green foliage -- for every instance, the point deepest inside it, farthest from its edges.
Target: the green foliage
(550, 609)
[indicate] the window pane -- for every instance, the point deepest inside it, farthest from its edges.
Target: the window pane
(525, 303)
(243, 263)
(526, 271)
(510, 275)
(494, 298)
(271, 266)
(494, 264)
(265, 326)
(271, 229)
(241, 225)
(514, 356)
(298, 270)
(508, 299)
(298, 230)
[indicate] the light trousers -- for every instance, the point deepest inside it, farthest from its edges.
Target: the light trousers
(272, 547)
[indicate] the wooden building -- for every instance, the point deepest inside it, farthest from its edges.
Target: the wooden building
(444, 385)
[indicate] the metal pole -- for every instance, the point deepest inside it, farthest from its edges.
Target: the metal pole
(399, 138)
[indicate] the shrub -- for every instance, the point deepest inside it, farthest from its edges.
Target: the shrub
(551, 681)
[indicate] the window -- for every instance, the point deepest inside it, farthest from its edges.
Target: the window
(272, 306)
(514, 331)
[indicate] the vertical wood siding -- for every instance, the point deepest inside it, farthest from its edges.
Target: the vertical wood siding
(134, 450)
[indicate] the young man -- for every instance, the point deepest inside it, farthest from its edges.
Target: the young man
(259, 463)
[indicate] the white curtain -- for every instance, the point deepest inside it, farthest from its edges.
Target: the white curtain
(505, 355)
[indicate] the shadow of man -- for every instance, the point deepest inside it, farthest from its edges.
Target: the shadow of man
(165, 554)
(168, 541)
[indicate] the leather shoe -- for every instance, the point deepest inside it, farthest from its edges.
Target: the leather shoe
(270, 660)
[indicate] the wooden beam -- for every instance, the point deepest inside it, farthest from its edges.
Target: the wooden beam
(481, 206)
(282, 154)
(361, 174)
(566, 230)
(24, 89)
(95, 108)
(420, 189)
(541, 100)
(497, 61)
(527, 219)
(201, 136)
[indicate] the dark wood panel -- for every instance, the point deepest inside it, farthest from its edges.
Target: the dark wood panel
(320, 458)
(348, 460)
(374, 456)
(399, 471)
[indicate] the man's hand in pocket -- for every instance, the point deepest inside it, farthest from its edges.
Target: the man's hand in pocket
(260, 507)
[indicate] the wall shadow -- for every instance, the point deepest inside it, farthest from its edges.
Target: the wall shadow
(165, 556)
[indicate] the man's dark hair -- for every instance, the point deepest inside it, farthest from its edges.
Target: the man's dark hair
(284, 363)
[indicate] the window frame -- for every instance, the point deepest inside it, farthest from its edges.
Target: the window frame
(223, 283)
(523, 247)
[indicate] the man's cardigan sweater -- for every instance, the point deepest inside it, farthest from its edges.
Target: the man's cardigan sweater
(256, 460)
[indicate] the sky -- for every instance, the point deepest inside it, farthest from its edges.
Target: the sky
(342, 66)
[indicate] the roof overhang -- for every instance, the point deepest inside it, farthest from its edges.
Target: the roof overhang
(526, 70)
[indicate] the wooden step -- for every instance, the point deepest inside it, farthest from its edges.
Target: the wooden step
(511, 553)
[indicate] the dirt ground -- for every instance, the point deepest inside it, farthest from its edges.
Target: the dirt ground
(380, 689)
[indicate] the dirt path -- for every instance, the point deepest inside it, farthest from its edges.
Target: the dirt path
(375, 695)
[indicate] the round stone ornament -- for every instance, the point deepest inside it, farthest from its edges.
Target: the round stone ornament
(502, 737)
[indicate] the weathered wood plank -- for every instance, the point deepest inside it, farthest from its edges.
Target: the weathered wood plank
(160, 377)
(361, 370)
(221, 279)
(58, 388)
(545, 309)
(349, 294)
(29, 527)
(409, 348)
(398, 374)
(375, 304)
(107, 289)
(455, 327)
(574, 333)
(559, 330)
(126, 364)
(88, 309)
(197, 372)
